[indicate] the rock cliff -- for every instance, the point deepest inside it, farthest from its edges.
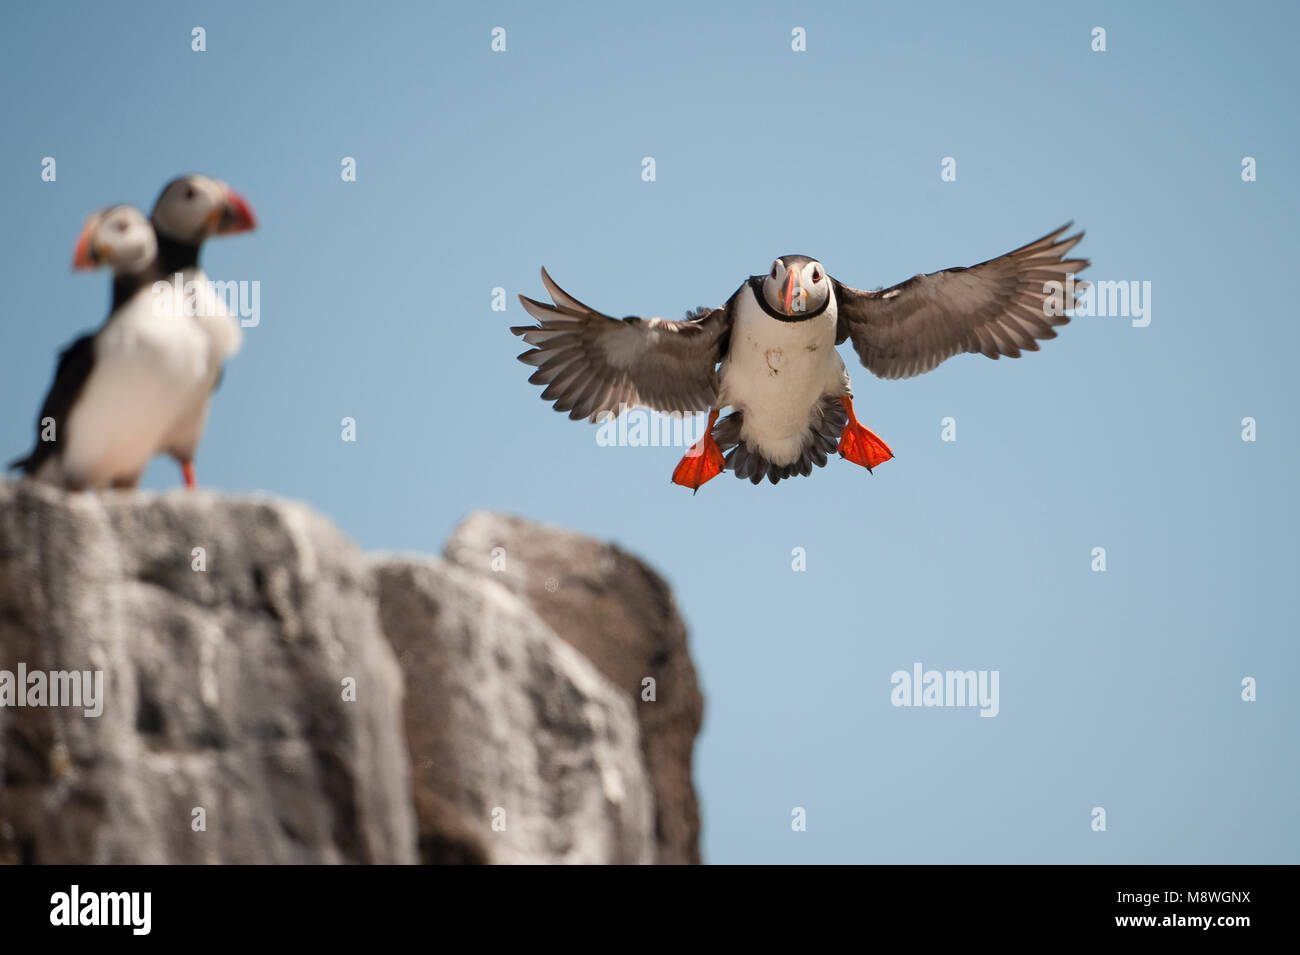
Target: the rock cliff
(269, 694)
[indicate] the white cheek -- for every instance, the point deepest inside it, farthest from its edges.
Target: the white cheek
(144, 253)
(182, 222)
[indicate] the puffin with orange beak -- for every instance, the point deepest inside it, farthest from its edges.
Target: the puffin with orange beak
(190, 210)
(769, 353)
(140, 384)
(120, 238)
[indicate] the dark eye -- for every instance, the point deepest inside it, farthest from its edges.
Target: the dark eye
(120, 226)
(817, 275)
(773, 270)
(189, 192)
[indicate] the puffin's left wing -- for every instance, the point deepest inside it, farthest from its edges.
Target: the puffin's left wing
(593, 363)
(996, 308)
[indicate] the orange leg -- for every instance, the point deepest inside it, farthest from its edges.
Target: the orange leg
(187, 472)
(858, 444)
(703, 462)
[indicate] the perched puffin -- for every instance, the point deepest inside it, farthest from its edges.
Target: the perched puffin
(769, 353)
(189, 210)
(121, 238)
(139, 385)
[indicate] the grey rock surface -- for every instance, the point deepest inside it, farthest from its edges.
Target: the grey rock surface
(223, 688)
(512, 731)
(319, 705)
(621, 615)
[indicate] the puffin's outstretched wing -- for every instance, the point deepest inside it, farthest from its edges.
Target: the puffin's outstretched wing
(996, 308)
(75, 365)
(591, 363)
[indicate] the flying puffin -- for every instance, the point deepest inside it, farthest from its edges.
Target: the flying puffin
(769, 353)
(133, 388)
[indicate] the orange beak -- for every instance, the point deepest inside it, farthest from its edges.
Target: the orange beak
(788, 297)
(237, 216)
(84, 256)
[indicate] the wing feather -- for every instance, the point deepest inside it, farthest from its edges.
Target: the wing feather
(70, 376)
(592, 363)
(998, 308)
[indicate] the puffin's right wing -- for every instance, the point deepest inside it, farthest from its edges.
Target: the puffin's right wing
(592, 363)
(75, 365)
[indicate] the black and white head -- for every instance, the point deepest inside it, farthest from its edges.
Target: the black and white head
(193, 208)
(796, 286)
(119, 237)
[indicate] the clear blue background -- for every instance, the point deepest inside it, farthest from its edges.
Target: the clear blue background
(1119, 690)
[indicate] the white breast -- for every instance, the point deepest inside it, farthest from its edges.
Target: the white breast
(776, 372)
(218, 324)
(148, 362)
(223, 336)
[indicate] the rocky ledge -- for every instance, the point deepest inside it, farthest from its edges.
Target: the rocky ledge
(191, 678)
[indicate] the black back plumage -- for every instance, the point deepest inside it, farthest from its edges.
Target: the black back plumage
(75, 364)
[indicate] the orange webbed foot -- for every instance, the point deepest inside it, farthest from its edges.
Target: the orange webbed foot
(861, 445)
(703, 462)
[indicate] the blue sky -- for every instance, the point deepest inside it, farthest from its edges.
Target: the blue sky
(1118, 689)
